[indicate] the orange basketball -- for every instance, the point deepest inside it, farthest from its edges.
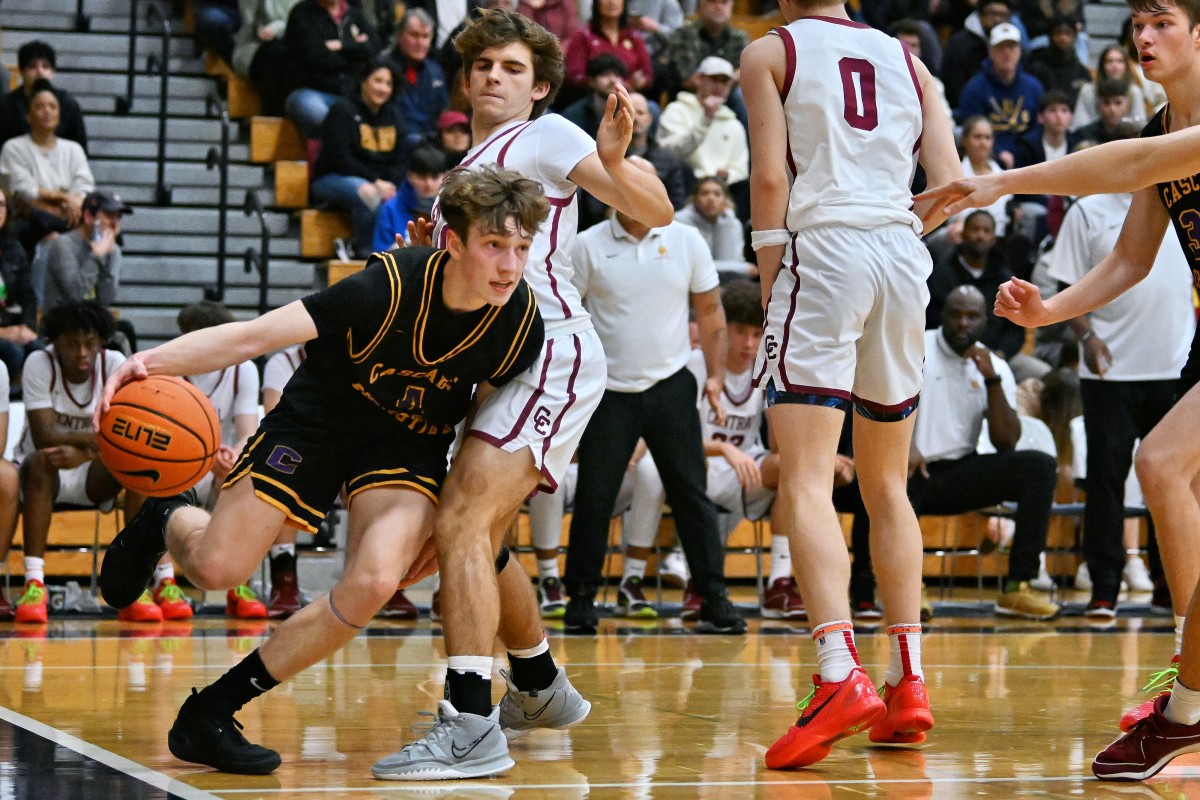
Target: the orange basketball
(159, 436)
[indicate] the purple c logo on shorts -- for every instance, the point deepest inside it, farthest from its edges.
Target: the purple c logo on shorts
(284, 459)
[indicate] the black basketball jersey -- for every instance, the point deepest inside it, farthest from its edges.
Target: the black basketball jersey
(1181, 198)
(386, 343)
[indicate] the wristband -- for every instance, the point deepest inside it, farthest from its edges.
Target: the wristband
(771, 238)
(992, 381)
(1086, 335)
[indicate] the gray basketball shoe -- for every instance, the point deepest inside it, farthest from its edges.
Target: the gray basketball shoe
(457, 746)
(559, 705)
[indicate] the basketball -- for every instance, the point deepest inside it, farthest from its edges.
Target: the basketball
(159, 436)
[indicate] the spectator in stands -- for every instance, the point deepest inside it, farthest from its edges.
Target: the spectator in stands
(560, 17)
(57, 451)
(1114, 64)
(421, 90)
(1131, 353)
(965, 384)
(328, 41)
(1051, 138)
(1040, 18)
(1056, 65)
(1003, 92)
(362, 154)
(609, 31)
(702, 130)
(414, 197)
(36, 61)
(85, 262)
(673, 171)
(711, 213)
(453, 136)
(44, 177)
(216, 24)
(977, 144)
(656, 20)
(1113, 104)
(18, 311)
(913, 33)
(10, 490)
(709, 34)
(604, 72)
(641, 318)
(259, 52)
(967, 49)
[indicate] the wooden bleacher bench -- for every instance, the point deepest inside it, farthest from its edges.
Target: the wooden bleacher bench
(756, 26)
(291, 184)
(242, 98)
(337, 270)
(319, 228)
(274, 139)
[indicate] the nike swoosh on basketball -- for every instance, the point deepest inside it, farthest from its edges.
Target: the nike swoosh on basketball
(457, 753)
(539, 712)
(152, 474)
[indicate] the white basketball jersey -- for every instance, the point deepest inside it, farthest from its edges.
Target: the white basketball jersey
(233, 391)
(281, 367)
(854, 121)
(43, 386)
(546, 150)
(743, 408)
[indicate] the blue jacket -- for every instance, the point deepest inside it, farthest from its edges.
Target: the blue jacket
(422, 101)
(394, 215)
(1012, 109)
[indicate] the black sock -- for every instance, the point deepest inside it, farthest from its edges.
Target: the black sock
(533, 674)
(284, 562)
(469, 693)
(245, 681)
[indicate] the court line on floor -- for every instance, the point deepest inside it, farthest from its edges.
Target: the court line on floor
(174, 788)
(572, 664)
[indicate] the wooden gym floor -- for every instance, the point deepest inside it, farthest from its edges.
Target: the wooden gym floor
(1021, 709)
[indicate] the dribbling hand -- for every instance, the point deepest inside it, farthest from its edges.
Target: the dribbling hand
(132, 369)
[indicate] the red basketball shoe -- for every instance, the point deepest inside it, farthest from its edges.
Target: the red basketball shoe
(832, 711)
(908, 714)
(242, 603)
(141, 610)
(172, 600)
(32, 607)
(1161, 684)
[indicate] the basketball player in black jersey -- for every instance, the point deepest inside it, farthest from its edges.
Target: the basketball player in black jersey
(394, 353)
(1163, 171)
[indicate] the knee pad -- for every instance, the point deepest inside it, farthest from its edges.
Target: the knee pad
(502, 559)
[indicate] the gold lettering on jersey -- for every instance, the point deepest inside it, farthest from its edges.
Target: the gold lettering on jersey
(1009, 115)
(377, 140)
(414, 422)
(1175, 191)
(441, 382)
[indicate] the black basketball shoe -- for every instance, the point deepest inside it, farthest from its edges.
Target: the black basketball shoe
(719, 615)
(130, 560)
(203, 736)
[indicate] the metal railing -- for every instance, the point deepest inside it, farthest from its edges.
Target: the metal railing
(125, 104)
(162, 64)
(259, 258)
(218, 159)
(83, 22)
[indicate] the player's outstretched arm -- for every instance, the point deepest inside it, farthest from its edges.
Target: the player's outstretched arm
(608, 177)
(762, 64)
(938, 154)
(210, 349)
(1123, 166)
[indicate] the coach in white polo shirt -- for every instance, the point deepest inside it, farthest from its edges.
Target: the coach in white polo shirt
(1131, 353)
(636, 283)
(964, 384)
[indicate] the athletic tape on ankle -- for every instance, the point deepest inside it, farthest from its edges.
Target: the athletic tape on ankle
(502, 559)
(338, 614)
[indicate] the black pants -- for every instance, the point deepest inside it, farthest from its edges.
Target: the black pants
(1115, 413)
(665, 416)
(1026, 477)
(848, 500)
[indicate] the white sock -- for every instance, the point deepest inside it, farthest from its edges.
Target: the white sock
(547, 568)
(1178, 632)
(164, 570)
(781, 559)
(35, 569)
(836, 653)
(634, 568)
(905, 639)
(278, 550)
(478, 665)
(536, 650)
(1183, 708)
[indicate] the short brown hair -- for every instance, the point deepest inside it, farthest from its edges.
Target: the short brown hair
(742, 301)
(203, 314)
(491, 196)
(497, 27)
(1189, 7)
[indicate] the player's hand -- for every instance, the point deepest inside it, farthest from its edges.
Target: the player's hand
(1096, 355)
(420, 233)
(132, 369)
(616, 128)
(982, 357)
(424, 565)
(749, 475)
(978, 192)
(843, 471)
(916, 463)
(66, 456)
(713, 389)
(223, 463)
(1021, 302)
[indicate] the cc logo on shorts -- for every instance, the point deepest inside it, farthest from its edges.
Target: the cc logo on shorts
(541, 421)
(772, 347)
(284, 459)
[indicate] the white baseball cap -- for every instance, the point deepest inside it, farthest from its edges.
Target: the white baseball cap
(1004, 32)
(715, 65)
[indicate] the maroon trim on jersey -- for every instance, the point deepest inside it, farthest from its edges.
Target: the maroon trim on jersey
(912, 71)
(787, 324)
(849, 23)
(529, 405)
(557, 216)
(737, 401)
(550, 484)
(472, 159)
(508, 144)
(789, 51)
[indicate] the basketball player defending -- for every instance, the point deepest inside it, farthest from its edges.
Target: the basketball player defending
(393, 354)
(1163, 171)
(524, 435)
(835, 138)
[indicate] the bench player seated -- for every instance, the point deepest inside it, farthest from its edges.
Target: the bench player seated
(393, 356)
(57, 451)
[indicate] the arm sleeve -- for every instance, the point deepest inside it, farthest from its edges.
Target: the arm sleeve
(65, 271)
(109, 278)
(560, 146)
(82, 180)
(679, 131)
(15, 171)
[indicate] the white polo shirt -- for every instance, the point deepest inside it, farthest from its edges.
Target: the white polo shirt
(637, 293)
(954, 400)
(1148, 329)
